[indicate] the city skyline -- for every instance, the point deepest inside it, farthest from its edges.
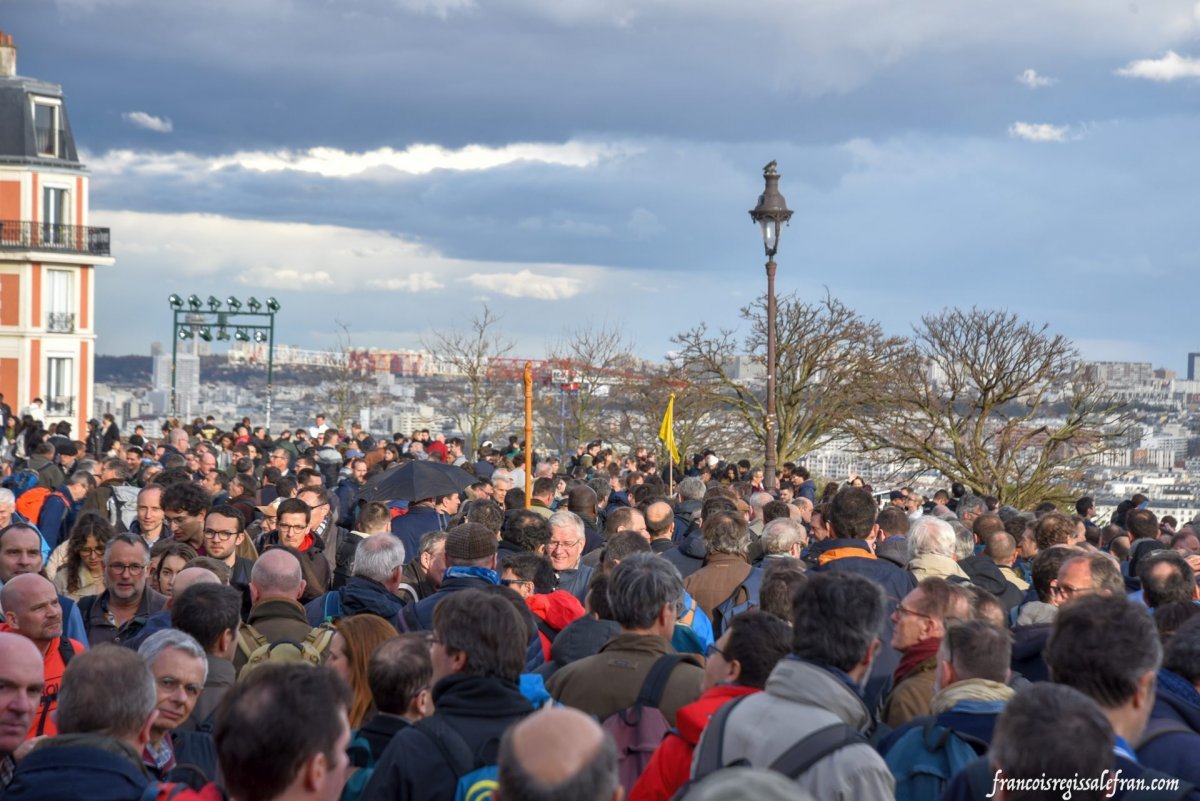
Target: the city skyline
(594, 162)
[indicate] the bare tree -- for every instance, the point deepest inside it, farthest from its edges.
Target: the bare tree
(701, 418)
(593, 360)
(995, 402)
(347, 394)
(829, 363)
(477, 404)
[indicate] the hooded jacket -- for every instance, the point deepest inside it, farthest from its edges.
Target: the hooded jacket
(1176, 701)
(584, 637)
(672, 762)
(556, 610)
(799, 699)
(478, 708)
(928, 565)
(76, 766)
(453, 581)
(688, 556)
(609, 682)
(361, 595)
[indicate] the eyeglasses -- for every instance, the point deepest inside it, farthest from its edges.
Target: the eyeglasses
(91, 551)
(713, 649)
(901, 609)
(170, 684)
(511, 582)
(175, 520)
(289, 527)
(132, 568)
(1067, 591)
(553, 545)
(219, 536)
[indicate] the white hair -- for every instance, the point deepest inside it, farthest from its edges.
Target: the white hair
(7, 497)
(378, 556)
(565, 519)
(159, 641)
(930, 535)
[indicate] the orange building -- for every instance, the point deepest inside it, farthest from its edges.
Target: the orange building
(47, 253)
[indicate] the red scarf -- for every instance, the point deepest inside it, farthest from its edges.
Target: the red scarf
(307, 543)
(914, 656)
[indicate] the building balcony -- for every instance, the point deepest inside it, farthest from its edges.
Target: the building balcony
(28, 235)
(60, 322)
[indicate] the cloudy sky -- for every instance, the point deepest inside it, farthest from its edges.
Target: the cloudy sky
(392, 164)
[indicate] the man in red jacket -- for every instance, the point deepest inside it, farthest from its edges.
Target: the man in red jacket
(738, 665)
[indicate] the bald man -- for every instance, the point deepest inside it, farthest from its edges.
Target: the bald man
(660, 524)
(558, 754)
(31, 609)
(21, 685)
(276, 585)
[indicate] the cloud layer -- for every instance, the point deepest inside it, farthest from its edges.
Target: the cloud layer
(1171, 67)
(148, 121)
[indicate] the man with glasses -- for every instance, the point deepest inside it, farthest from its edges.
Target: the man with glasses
(184, 508)
(565, 550)
(919, 622)
(224, 531)
(280, 460)
(322, 523)
(31, 609)
(180, 668)
(120, 612)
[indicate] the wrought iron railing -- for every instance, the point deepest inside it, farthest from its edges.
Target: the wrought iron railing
(28, 235)
(60, 322)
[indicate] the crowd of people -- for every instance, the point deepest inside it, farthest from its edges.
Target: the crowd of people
(216, 614)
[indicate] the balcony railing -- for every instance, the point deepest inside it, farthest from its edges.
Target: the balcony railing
(61, 404)
(27, 235)
(60, 322)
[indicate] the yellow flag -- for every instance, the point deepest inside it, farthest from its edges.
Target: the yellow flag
(666, 432)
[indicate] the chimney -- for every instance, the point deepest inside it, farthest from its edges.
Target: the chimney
(8, 56)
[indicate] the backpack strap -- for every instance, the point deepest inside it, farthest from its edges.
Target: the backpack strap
(250, 640)
(656, 681)
(1159, 727)
(710, 753)
(981, 778)
(546, 628)
(812, 749)
(409, 619)
(333, 605)
(936, 741)
(66, 649)
(319, 638)
(450, 743)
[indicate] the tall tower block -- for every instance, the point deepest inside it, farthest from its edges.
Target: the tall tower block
(48, 253)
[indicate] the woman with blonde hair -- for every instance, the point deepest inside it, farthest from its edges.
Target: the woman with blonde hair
(350, 651)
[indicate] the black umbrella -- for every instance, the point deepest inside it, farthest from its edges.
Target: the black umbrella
(416, 481)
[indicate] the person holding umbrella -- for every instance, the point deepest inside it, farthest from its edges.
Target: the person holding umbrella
(433, 491)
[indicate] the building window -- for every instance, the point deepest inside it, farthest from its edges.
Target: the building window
(60, 385)
(55, 207)
(47, 123)
(60, 301)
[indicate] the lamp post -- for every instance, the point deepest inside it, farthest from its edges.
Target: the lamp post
(771, 214)
(192, 321)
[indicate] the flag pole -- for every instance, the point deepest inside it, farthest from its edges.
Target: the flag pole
(528, 434)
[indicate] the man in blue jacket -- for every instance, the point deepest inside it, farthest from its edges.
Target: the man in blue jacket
(470, 564)
(478, 655)
(105, 709)
(851, 548)
(422, 517)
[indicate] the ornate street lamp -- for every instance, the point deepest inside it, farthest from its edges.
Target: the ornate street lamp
(771, 214)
